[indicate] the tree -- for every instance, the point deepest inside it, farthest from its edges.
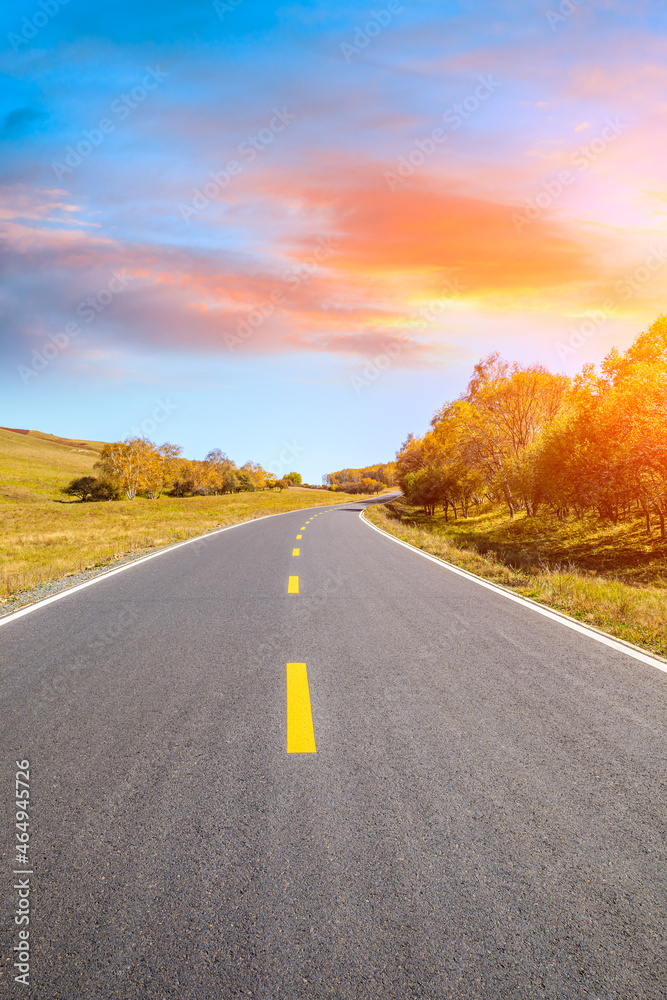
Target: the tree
(216, 466)
(426, 488)
(504, 411)
(230, 482)
(294, 478)
(384, 473)
(410, 458)
(159, 468)
(88, 488)
(246, 481)
(259, 475)
(80, 487)
(126, 461)
(104, 489)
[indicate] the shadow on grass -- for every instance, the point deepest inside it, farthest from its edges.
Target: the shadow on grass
(622, 551)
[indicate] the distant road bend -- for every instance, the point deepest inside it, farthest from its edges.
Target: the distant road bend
(295, 759)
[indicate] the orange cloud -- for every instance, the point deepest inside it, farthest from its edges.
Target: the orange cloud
(384, 255)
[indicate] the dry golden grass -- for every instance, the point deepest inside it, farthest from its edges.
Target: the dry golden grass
(636, 613)
(45, 536)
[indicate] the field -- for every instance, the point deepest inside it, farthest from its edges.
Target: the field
(45, 536)
(611, 576)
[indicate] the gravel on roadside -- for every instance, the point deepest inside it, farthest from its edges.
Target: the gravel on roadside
(43, 590)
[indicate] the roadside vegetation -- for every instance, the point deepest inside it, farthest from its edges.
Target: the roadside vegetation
(607, 577)
(371, 479)
(555, 487)
(46, 534)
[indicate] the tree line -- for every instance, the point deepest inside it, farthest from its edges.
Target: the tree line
(534, 440)
(139, 467)
(370, 479)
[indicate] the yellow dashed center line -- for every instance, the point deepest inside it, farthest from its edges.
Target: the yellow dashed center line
(296, 552)
(299, 536)
(300, 735)
(293, 585)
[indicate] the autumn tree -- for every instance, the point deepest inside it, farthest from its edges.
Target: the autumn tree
(506, 408)
(426, 488)
(259, 475)
(159, 468)
(126, 461)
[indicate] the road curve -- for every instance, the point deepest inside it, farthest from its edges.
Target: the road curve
(483, 816)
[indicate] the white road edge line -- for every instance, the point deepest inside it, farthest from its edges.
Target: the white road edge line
(618, 644)
(12, 616)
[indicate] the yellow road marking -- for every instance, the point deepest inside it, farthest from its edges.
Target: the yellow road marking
(293, 585)
(302, 528)
(299, 536)
(300, 735)
(296, 552)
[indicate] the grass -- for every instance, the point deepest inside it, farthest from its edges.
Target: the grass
(611, 576)
(45, 536)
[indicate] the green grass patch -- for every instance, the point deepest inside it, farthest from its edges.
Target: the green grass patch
(613, 577)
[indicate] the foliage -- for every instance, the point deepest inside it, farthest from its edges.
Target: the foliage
(426, 488)
(382, 474)
(80, 487)
(142, 468)
(365, 485)
(89, 488)
(530, 439)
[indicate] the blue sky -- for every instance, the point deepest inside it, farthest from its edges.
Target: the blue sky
(305, 223)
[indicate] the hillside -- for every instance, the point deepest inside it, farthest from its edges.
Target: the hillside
(35, 465)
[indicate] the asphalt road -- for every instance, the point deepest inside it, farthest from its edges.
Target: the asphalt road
(483, 816)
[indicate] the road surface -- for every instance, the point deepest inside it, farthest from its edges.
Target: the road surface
(472, 804)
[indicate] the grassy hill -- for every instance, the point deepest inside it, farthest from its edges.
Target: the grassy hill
(35, 465)
(45, 536)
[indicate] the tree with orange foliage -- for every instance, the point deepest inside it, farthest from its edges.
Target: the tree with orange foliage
(126, 462)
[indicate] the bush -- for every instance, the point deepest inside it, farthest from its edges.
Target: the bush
(90, 489)
(104, 489)
(80, 487)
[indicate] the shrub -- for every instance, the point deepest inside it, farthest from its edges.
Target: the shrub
(90, 489)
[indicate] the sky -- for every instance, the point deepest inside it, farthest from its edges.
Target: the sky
(290, 230)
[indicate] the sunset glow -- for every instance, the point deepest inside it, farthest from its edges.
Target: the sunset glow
(241, 206)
